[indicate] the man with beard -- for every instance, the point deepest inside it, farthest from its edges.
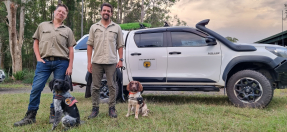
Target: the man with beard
(106, 38)
(53, 47)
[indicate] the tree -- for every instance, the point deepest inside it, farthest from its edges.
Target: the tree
(15, 38)
(3, 34)
(234, 40)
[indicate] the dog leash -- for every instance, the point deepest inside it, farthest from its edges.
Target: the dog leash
(122, 84)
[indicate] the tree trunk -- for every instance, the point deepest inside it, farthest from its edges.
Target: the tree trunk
(120, 11)
(18, 50)
(15, 40)
(142, 11)
(59, 2)
(52, 3)
(1, 55)
(118, 14)
(82, 18)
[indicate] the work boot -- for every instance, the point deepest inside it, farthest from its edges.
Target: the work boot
(112, 112)
(52, 115)
(95, 112)
(29, 118)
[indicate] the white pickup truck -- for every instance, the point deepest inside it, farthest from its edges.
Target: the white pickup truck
(195, 59)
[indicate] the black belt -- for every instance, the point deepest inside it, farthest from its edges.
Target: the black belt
(52, 58)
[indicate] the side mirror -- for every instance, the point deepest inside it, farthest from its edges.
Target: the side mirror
(210, 40)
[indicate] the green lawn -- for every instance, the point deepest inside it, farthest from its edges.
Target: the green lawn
(168, 113)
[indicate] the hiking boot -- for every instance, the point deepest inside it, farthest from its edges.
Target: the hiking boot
(112, 112)
(29, 118)
(52, 115)
(95, 112)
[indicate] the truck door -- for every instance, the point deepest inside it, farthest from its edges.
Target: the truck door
(191, 60)
(147, 57)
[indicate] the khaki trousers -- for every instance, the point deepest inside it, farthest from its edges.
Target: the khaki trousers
(97, 73)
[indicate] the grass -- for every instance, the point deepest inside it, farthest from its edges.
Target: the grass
(168, 113)
(26, 82)
(14, 85)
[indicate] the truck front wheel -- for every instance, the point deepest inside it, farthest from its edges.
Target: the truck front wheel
(249, 88)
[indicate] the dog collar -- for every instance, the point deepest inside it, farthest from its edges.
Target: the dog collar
(59, 97)
(131, 93)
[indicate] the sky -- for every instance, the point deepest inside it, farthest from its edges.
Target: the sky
(246, 20)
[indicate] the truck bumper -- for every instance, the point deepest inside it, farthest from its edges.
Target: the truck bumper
(281, 75)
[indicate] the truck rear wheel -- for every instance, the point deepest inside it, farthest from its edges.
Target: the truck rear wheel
(249, 88)
(104, 92)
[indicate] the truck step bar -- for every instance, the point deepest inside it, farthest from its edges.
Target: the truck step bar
(180, 88)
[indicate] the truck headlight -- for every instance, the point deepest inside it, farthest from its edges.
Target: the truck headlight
(281, 52)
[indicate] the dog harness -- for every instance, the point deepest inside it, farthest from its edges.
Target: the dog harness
(139, 98)
(70, 101)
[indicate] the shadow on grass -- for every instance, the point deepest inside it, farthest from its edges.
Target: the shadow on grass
(276, 102)
(187, 99)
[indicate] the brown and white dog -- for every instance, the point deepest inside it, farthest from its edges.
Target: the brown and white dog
(136, 103)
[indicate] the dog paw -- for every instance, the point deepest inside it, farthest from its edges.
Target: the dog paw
(127, 115)
(137, 117)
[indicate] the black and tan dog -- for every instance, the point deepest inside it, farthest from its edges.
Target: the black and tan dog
(136, 103)
(64, 103)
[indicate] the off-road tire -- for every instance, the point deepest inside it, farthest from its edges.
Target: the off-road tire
(244, 85)
(117, 80)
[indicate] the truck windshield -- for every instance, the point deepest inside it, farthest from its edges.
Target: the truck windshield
(82, 45)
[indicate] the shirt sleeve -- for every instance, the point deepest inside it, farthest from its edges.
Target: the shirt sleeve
(91, 37)
(71, 39)
(120, 42)
(37, 34)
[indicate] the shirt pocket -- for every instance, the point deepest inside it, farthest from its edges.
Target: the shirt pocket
(46, 35)
(98, 35)
(62, 38)
(112, 35)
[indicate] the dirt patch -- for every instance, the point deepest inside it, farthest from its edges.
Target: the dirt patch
(83, 89)
(28, 90)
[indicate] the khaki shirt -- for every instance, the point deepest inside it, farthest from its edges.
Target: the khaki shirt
(105, 41)
(54, 42)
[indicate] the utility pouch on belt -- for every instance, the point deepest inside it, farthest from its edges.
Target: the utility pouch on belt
(140, 100)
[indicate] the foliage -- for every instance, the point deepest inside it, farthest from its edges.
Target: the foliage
(167, 113)
(37, 11)
(29, 76)
(8, 80)
(131, 26)
(234, 40)
(19, 75)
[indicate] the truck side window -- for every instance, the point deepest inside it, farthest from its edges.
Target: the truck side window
(149, 40)
(82, 45)
(186, 39)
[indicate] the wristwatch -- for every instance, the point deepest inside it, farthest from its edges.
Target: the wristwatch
(121, 59)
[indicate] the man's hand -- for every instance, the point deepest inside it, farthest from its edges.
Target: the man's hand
(89, 67)
(69, 71)
(41, 60)
(120, 64)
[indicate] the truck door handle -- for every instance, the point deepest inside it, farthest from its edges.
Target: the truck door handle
(135, 54)
(174, 53)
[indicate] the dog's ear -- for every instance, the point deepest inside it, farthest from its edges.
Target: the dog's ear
(128, 86)
(66, 86)
(51, 83)
(68, 80)
(140, 86)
